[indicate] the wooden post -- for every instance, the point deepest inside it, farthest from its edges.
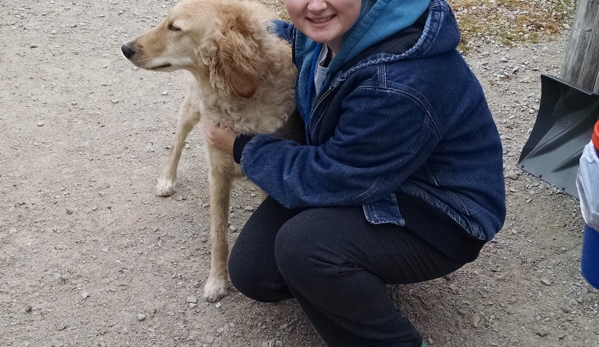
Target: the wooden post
(581, 66)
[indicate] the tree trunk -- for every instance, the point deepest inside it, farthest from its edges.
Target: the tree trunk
(581, 66)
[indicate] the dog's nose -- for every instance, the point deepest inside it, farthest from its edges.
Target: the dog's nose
(128, 51)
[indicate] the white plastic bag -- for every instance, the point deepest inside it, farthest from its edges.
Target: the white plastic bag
(587, 182)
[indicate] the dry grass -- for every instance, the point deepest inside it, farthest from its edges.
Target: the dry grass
(511, 21)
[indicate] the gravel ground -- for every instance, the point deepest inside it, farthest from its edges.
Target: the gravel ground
(89, 256)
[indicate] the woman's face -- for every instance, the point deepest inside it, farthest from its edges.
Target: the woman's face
(324, 21)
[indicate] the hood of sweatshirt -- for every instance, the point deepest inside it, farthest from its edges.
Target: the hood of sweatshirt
(379, 20)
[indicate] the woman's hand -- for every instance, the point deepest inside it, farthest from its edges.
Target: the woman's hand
(219, 138)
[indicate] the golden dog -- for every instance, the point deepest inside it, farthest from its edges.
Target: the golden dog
(241, 76)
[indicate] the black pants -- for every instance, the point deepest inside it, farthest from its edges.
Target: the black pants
(336, 265)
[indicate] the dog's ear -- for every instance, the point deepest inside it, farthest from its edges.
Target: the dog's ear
(238, 58)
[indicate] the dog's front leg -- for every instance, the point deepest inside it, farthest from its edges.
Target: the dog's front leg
(189, 116)
(220, 180)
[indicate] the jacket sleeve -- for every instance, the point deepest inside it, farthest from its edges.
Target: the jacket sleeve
(374, 148)
(282, 29)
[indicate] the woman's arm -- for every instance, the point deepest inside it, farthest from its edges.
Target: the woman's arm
(374, 148)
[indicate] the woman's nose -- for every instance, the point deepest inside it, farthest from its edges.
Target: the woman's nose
(317, 5)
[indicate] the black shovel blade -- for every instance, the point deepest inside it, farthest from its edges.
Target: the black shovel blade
(563, 127)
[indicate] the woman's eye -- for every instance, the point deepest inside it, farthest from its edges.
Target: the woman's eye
(173, 28)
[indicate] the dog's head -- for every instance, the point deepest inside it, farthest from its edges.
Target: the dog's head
(214, 39)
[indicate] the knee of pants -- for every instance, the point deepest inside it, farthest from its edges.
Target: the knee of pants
(299, 258)
(243, 279)
(254, 283)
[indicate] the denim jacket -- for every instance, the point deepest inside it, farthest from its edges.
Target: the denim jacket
(414, 123)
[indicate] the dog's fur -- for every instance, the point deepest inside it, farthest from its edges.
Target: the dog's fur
(241, 77)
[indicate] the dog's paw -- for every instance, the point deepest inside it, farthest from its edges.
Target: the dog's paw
(215, 289)
(165, 187)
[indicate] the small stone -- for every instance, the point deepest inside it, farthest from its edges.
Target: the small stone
(60, 278)
(542, 333)
(207, 340)
(546, 282)
(475, 320)
(512, 175)
(278, 344)
(40, 124)
(192, 300)
(33, 45)
(141, 317)
(85, 295)
(28, 309)
(233, 228)
(165, 92)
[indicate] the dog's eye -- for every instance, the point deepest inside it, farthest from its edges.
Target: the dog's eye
(172, 27)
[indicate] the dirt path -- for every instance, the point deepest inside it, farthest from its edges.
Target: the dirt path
(89, 256)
